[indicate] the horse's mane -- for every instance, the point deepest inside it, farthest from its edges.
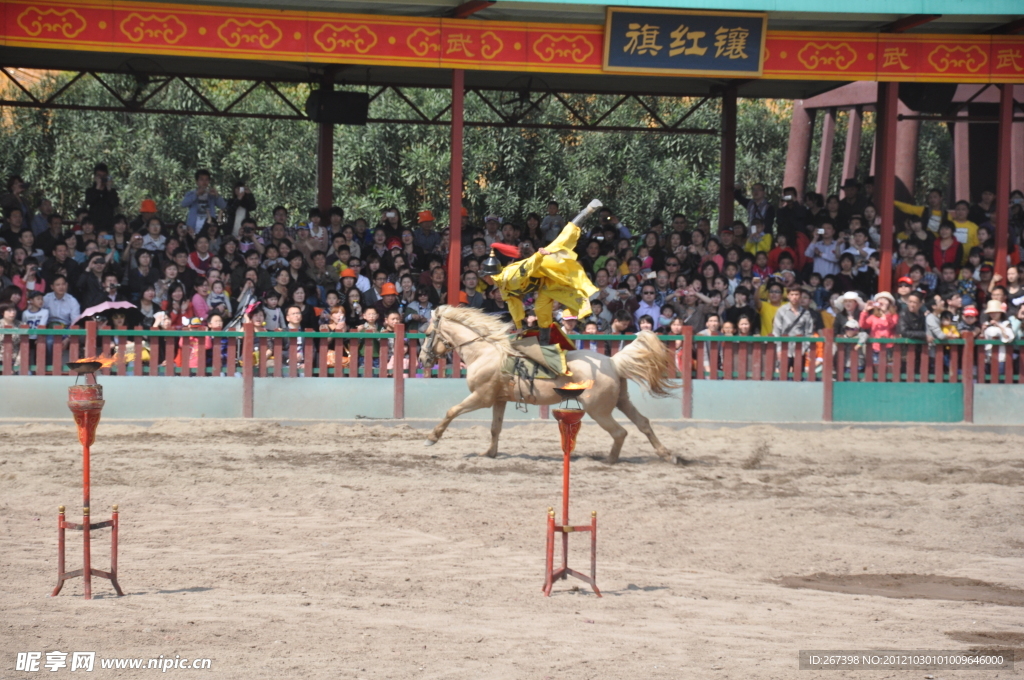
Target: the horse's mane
(490, 328)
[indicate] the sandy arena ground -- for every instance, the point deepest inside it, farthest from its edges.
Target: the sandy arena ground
(339, 551)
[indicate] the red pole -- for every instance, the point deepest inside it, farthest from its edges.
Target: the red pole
(801, 131)
(325, 154)
(727, 169)
(248, 347)
(828, 140)
(826, 374)
(967, 377)
(455, 189)
(1004, 150)
(113, 550)
(851, 155)
(60, 552)
(90, 338)
(885, 174)
(399, 359)
(687, 369)
(549, 553)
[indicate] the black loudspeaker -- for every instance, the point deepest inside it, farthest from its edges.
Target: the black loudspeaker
(928, 97)
(337, 107)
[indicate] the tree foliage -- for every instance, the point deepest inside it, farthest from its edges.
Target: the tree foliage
(507, 171)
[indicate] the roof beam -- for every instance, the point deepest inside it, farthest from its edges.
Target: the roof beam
(1010, 28)
(908, 22)
(471, 7)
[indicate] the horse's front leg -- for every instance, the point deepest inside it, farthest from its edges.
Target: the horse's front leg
(496, 423)
(471, 403)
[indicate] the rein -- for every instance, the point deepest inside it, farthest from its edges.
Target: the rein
(448, 346)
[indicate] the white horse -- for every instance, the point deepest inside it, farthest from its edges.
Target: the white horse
(482, 342)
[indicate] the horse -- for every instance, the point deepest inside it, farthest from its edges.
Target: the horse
(482, 342)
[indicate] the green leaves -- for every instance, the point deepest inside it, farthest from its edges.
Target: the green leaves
(507, 171)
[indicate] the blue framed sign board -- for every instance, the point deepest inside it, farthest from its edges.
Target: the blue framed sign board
(715, 44)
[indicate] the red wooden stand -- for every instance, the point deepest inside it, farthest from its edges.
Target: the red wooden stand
(569, 422)
(86, 403)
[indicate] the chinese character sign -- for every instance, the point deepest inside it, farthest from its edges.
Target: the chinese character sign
(685, 42)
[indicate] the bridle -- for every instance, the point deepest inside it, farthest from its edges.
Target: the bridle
(430, 355)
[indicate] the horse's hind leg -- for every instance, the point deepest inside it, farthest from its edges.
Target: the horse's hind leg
(471, 403)
(496, 423)
(626, 406)
(618, 433)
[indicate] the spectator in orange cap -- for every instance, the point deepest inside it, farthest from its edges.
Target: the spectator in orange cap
(147, 211)
(425, 238)
(388, 301)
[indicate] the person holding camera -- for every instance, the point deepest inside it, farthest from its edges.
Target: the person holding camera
(825, 250)
(202, 202)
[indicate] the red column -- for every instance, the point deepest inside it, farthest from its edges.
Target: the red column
(399, 373)
(906, 153)
(961, 159)
(325, 168)
(885, 174)
(1004, 150)
(455, 189)
(727, 169)
(1017, 157)
(325, 155)
(851, 155)
(801, 132)
(828, 137)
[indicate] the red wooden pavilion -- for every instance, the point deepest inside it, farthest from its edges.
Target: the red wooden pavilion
(791, 49)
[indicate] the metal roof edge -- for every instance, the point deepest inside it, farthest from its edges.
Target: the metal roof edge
(944, 7)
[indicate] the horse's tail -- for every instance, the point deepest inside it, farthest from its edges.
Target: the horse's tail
(647, 361)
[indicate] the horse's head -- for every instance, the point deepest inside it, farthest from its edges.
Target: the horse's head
(434, 345)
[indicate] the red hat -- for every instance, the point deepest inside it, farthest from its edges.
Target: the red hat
(425, 216)
(970, 310)
(348, 273)
(388, 289)
(907, 280)
(394, 243)
(148, 206)
(465, 213)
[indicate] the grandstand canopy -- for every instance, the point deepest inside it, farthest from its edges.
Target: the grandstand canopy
(173, 39)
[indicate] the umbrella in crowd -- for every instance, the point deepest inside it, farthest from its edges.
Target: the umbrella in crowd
(107, 309)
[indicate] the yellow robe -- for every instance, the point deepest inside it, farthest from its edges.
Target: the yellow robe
(556, 276)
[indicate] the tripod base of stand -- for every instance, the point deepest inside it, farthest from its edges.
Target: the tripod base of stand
(87, 572)
(564, 572)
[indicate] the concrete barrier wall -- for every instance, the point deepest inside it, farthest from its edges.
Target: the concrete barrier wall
(147, 398)
(999, 404)
(126, 397)
(757, 401)
(899, 402)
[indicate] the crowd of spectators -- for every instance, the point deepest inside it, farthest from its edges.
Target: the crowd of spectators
(786, 268)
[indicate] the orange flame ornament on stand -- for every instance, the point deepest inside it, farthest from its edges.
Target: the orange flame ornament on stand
(86, 404)
(570, 420)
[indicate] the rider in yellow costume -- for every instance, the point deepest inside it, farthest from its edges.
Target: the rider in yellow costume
(552, 272)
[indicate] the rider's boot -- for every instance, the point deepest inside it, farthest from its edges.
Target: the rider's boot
(544, 336)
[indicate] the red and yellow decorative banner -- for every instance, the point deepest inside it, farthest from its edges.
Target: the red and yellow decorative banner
(373, 40)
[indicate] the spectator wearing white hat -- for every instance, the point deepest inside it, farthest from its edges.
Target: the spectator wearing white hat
(997, 327)
(851, 306)
(569, 323)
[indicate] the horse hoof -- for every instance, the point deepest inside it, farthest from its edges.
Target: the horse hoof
(488, 454)
(678, 460)
(428, 443)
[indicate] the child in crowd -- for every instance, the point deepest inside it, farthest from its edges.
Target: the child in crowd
(35, 316)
